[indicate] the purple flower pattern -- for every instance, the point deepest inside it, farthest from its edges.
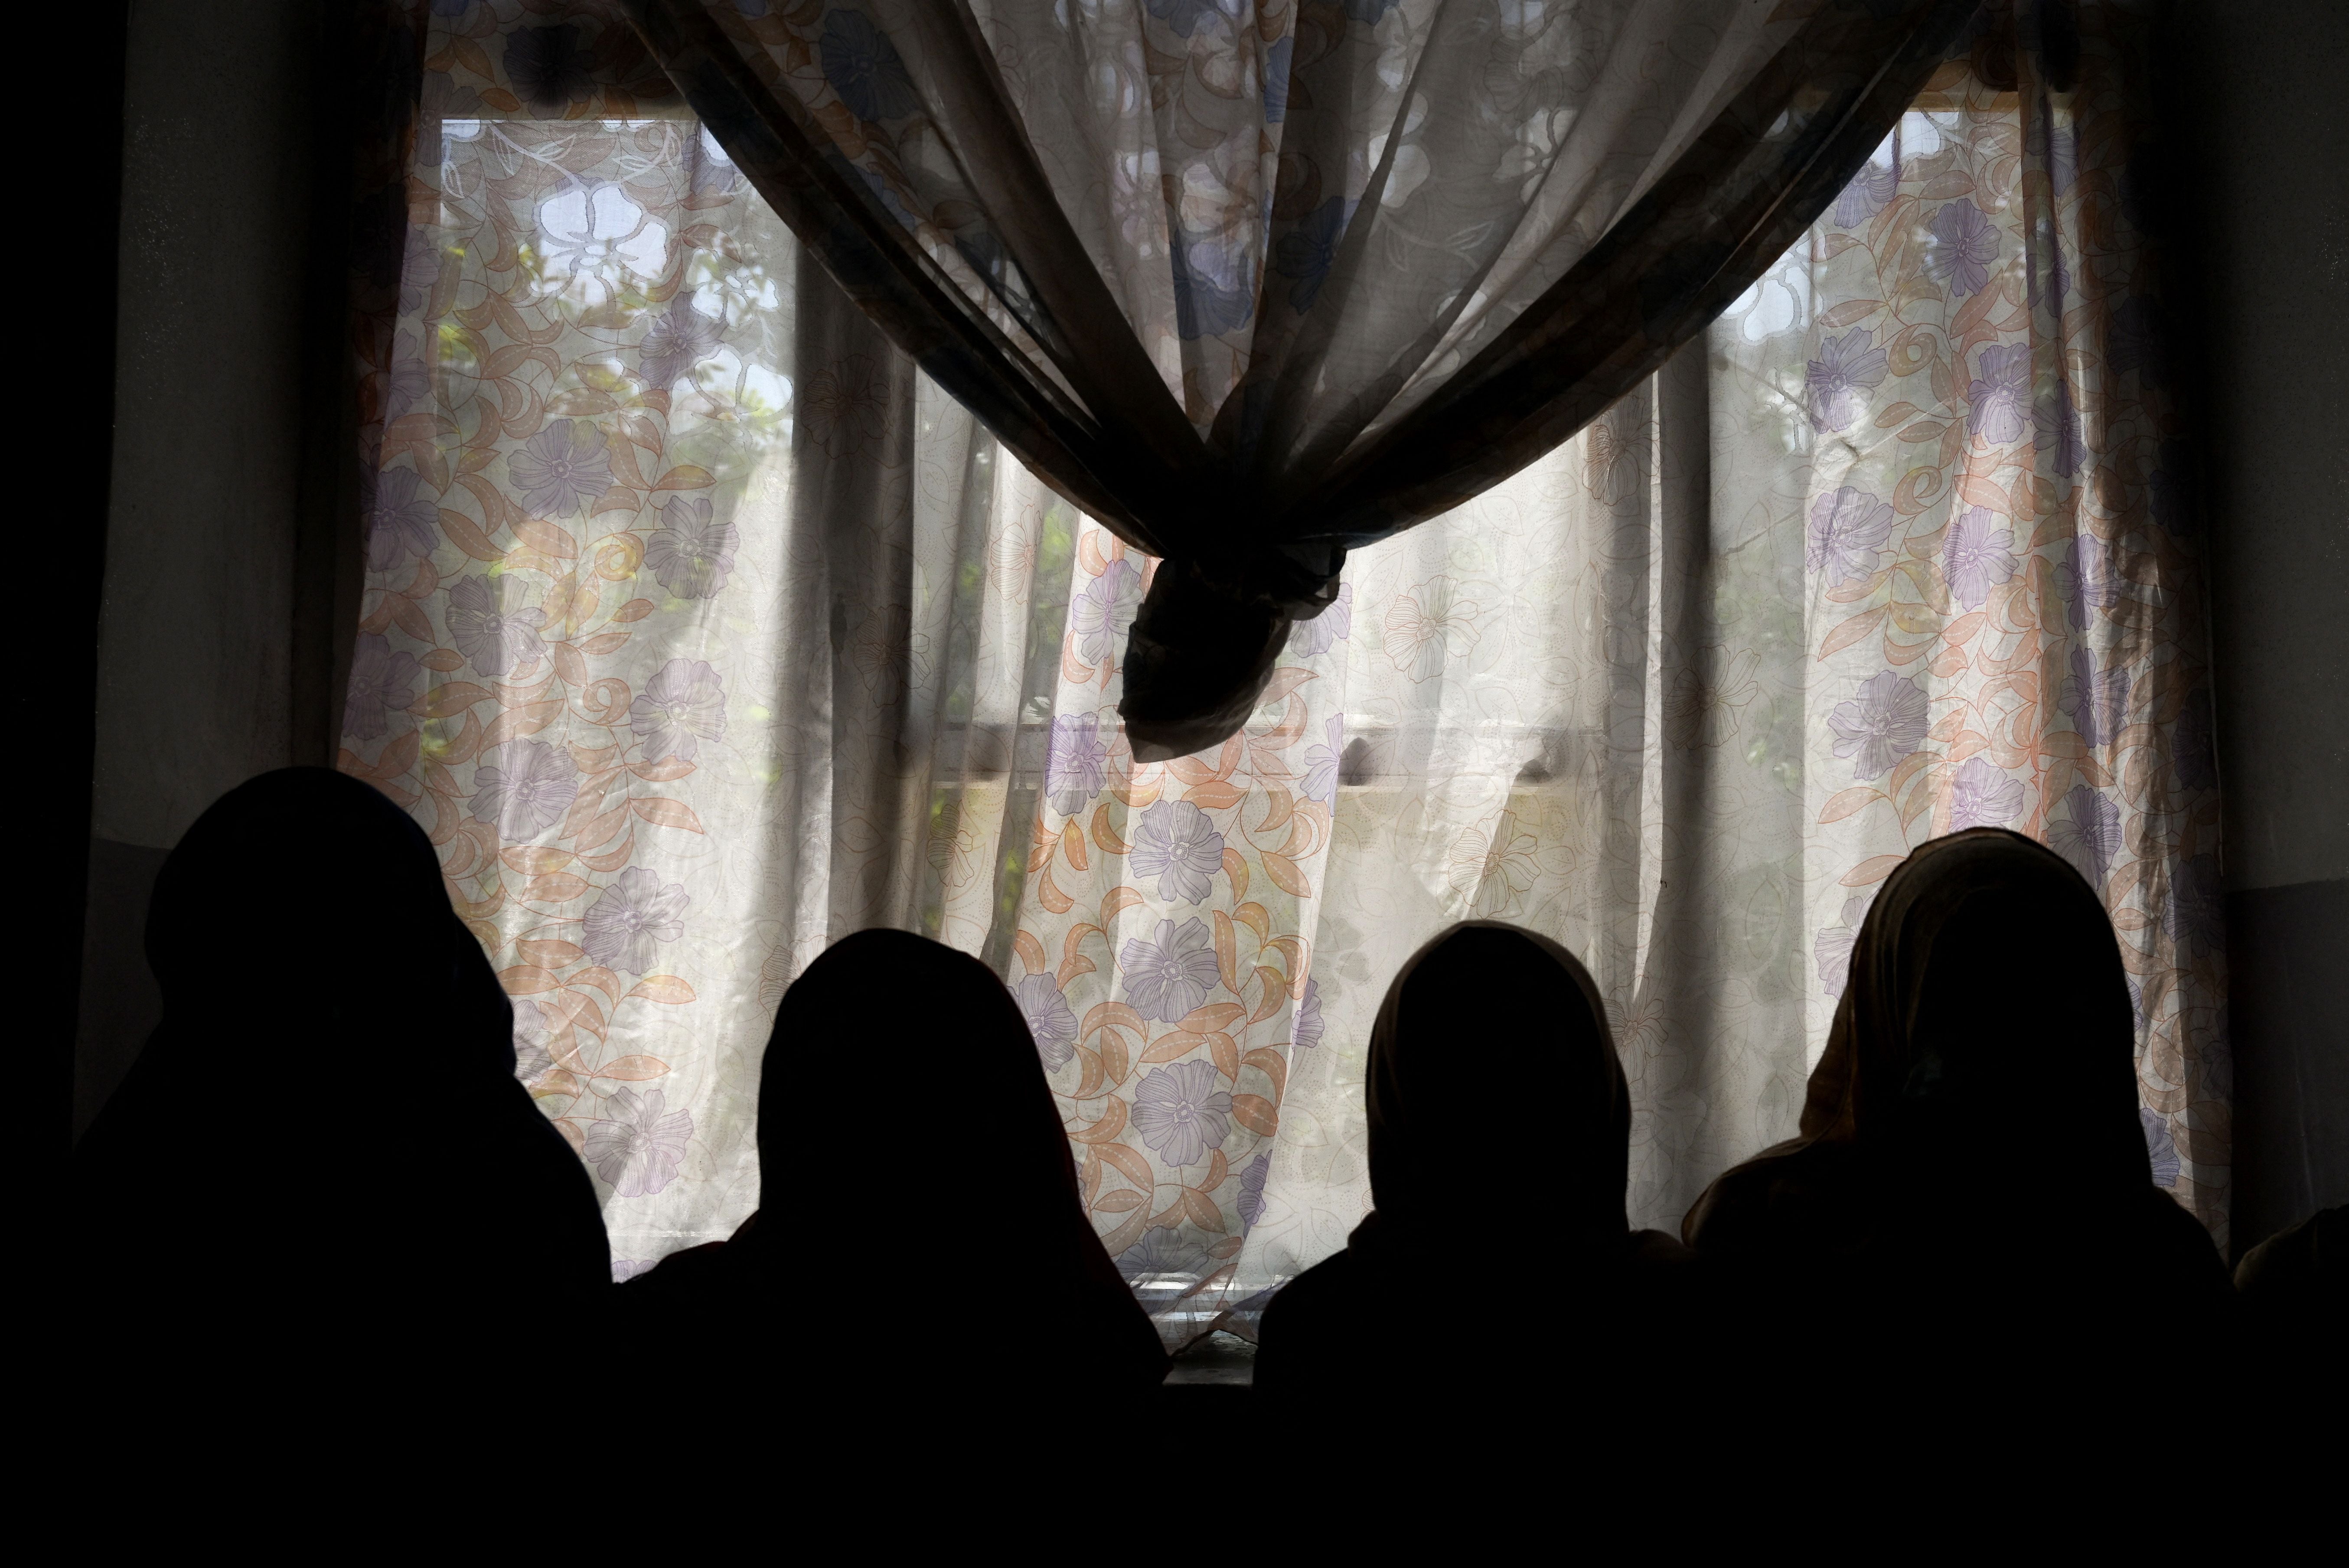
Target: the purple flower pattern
(1977, 557)
(1181, 1113)
(1999, 394)
(533, 1037)
(386, 679)
(1162, 1258)
(419, 269)
(675, 343)
(404, 523)
(1250, 1203)
(637, 1150)
(681, 706)
(1076, 763)
(630, 918)
(1049, 1020)
(1323, 763)
(1982, 796)
(1305, 1029)
(2088, 834)
(410, 380)
(1846, 367)
(1960, 249)
(382, 684)
(1310, 639)
(690, 554)
(2057, 437)
(1832, 951)
(1868, 193)
(1832, 954)
(1215, 284)
(1846, 531)
(1171, 972)
(1882, 725)
(491, 628)
(1105, 609)
(2095, 700)
(524, 787)
(1178, 844)
(564, 467)
(2050, 274)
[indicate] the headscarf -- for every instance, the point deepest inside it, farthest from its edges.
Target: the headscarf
(1499, 1125)
(1981, 1061)
(1484, 1016)
(324, 1134)
(910, 1150)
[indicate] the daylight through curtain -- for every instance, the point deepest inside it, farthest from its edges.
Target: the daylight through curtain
(701, 629)
(1255, 284)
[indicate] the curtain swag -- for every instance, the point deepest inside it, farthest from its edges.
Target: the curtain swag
(1256, 286)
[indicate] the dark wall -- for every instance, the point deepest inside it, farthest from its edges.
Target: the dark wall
(2261, 180)
(201, 668)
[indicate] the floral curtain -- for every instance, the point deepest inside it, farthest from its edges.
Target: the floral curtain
(1909, 550)
(1255, 283)
(702, 628)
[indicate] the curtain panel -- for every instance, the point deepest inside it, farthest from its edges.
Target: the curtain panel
(1255, 285)
(703, 627)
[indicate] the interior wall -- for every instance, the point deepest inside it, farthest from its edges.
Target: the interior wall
(196, 665)
(2263, 220)
(198, 676)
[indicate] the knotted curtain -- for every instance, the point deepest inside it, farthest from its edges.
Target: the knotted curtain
(701, 629)
(1255, 284)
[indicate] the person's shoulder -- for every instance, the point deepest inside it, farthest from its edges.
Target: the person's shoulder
(2178, 1251)
(1654, 1250)
(1750, 1208)
(2307, 1257)
(1334, 1278)
(694, 1270)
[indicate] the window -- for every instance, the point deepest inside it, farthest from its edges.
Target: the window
(701, 629)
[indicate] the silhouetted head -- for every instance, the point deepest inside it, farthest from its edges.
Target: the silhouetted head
(1985, 1032)
(1495, 1097)
(318, 987)
(911, 1149)
(945, 1081)
(306, 899)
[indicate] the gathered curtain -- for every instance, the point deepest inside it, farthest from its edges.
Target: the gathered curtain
(703, 628)
(1254, 284)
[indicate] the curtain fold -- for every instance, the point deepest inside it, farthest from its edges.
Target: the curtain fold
(703, 627)
(1255, 285)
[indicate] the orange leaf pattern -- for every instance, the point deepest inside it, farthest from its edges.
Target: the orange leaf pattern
(699, 630)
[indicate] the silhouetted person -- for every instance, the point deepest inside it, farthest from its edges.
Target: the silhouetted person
(918, 1207)
(320, 1179)
(1969, 1217)
(1498, 1268)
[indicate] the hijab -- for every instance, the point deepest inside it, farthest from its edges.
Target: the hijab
(324, 1135)
(1980, 1070)
(1499, 1132)
(1484, 1015)
(913, 1159)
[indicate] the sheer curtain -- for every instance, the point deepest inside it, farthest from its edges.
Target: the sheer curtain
(1255, 284)
(701, 629)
